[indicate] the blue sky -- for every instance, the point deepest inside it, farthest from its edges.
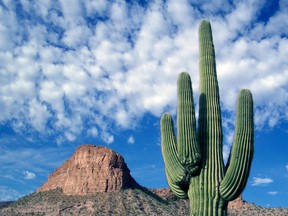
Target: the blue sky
(103, 72)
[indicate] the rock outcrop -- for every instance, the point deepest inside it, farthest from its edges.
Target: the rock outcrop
(238, 203)
(91, 169)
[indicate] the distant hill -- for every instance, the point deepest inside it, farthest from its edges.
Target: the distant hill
(97, 181)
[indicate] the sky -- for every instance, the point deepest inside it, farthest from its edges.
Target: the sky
(103, 72)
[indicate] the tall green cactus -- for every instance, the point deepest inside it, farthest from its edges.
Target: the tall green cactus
(194, 163)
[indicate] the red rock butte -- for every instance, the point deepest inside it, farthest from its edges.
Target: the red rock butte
(91, 169)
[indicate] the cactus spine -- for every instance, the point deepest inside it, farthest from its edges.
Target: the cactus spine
(194, 163)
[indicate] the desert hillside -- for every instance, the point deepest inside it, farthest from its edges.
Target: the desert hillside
(130, 202)
(95, 180)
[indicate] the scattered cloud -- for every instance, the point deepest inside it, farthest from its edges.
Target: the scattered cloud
(286, 167)
(63, 73)
(9, 194)
(93, 132)
(29, 175)
(108, 138)
(42, 161)
(226, 152)
(261, 181)
(131, 140)
(273, 193)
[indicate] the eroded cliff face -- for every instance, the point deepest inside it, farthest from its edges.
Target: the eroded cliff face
(91, 169)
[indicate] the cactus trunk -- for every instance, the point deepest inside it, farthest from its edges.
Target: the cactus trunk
(194, 163)
(203, 204)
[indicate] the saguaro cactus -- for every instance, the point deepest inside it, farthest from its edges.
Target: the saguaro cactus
(194, 163)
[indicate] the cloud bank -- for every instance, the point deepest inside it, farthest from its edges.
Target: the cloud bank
(68, 70)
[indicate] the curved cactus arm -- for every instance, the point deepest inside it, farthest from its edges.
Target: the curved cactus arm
(175, 172)
(241, 155)
(188, 148)
(180, 190)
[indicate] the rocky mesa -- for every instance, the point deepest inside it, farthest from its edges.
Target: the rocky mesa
(91, 169)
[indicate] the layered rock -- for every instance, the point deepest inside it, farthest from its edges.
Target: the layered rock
(91, 169)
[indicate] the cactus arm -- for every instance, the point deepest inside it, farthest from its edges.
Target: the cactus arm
(175, 172)
(179, 190)
(209, 110)
(210, 123)
(242, 151)
(188, 148)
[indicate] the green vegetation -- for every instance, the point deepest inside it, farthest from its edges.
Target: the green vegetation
(193, 163)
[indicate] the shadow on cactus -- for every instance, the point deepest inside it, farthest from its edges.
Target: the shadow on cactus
(194, 163)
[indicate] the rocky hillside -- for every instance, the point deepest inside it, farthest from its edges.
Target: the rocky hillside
(124, 202)
(127, 202)
(97, 181)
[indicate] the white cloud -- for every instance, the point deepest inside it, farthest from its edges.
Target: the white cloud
(30, 159)
(38, 115)
(72, 13)
(95, 7)
(9, 194)
(277, 24)
(21, 165)
(226, 152)
(178, 10)
(113, 71)
(77, 36)
(108, 138)
(243, 14)
(131, 140)
(261, 181)
(286, 167)
(273, 193)
(70, 136)
(93, 132)
(29, 175)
